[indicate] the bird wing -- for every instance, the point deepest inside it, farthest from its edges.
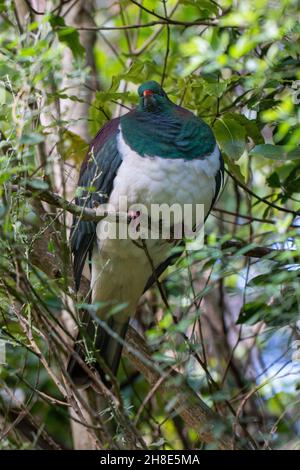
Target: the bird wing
(219, 183)
(94, 186)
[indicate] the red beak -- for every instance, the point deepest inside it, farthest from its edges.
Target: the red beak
(147, 93)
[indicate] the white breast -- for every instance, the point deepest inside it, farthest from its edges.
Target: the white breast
(155, 180)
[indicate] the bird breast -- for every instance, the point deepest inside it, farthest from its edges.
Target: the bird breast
(157, 180)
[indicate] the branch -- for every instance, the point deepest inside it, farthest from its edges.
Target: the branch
(169, 22)
(209, 22)
(261, 199)
(167, 48)
(192, 409)
(254, 251)
(93, 215)
(85, 213)
(28, 429)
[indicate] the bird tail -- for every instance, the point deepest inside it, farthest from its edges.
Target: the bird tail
(105, 342)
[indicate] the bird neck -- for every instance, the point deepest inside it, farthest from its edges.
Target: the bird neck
(172, 133)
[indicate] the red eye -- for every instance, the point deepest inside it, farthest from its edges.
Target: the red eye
(147, 93)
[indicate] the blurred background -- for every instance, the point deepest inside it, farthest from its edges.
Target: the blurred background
(223, 353)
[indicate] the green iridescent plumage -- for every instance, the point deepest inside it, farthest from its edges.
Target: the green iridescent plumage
(159, 127)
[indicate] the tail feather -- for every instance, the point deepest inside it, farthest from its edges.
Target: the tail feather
(108, 346)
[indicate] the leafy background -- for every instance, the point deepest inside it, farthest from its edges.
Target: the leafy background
(65, 69)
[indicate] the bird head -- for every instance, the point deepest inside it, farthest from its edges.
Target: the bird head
(152, 97)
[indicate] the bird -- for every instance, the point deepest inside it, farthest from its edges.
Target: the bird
(157, 153)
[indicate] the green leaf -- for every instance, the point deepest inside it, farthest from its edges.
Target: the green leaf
(215, 89)
(2, 95)
(6, 174)
(38, 184)
(252, 312)
(52, 301)
(72, 146)
(99, 113)
(230, 136)
(275, 152)
(104, 96)
(134, 72)
(273, 180)
(250, 126)
(32, 138)
(234, 169)
(5, 69)
(204, 6)
(51, 246)
(67, 35)
(277, 277)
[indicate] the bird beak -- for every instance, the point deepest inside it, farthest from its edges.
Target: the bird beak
(148, 99)
(147, 93)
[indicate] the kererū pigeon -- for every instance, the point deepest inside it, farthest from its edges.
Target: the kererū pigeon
(157, 153)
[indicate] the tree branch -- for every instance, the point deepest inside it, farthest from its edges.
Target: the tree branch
(193, 410)
(254, 251)
(169, 22)
(85, 213)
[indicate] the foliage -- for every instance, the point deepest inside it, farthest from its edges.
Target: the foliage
(234, 64)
